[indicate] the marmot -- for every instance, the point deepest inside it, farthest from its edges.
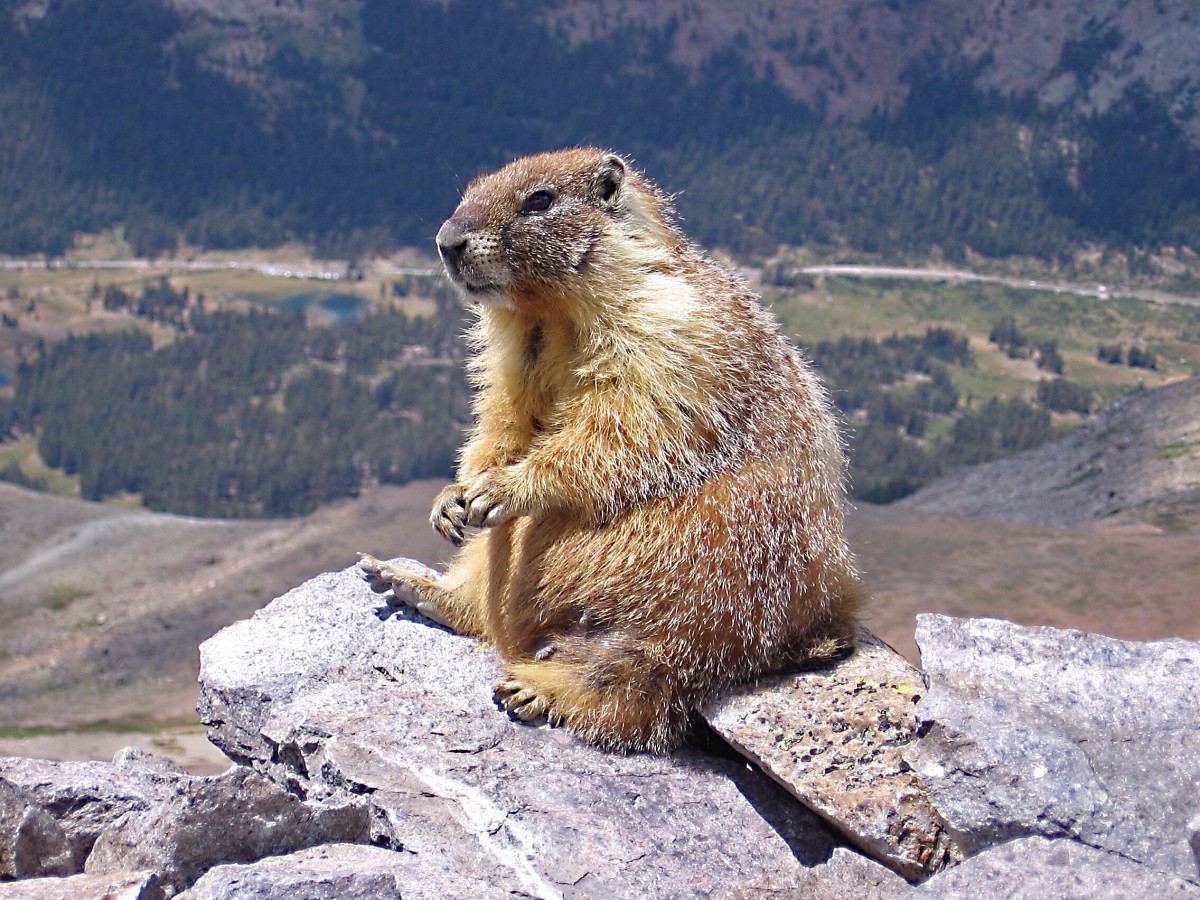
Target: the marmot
(656, 471)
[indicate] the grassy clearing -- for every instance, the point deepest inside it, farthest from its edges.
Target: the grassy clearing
(66, 300)
(883, 306)
(1179, 450)
(59, 598)
(22, 455)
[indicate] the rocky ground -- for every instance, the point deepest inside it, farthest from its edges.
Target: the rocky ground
(372, 762)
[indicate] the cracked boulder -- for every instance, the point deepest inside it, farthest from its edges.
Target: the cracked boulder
(32, 843)
(233, 817)
(78, 800)
(329, 691)
(1061, 734)
(140, 814)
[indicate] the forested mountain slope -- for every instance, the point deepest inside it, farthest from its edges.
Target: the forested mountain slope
(892, 127)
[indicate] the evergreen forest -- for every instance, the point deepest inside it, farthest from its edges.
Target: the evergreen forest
(264, 413)
(248, 414)
(110, 117)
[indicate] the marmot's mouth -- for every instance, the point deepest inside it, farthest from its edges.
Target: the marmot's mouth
(486, 287)
(471, 283)
(479, 290)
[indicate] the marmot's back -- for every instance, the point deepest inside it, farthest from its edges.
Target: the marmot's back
(657, 472)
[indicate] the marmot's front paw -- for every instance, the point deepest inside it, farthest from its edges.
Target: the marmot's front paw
(449, 515)
(487, 502)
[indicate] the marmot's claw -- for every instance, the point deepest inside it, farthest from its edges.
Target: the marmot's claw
(449, 514)
(486, 506)
(449, 531)
(486, 512)
(371, 569)
(383, 577)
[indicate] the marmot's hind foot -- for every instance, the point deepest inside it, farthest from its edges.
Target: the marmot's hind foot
(525, 704)
(407, 588)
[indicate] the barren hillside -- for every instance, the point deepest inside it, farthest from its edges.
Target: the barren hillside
(1139, 461)
(104, 608)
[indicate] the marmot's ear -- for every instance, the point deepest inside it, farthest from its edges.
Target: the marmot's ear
(609, 177)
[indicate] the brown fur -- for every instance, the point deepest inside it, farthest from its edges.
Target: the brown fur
(657, 471)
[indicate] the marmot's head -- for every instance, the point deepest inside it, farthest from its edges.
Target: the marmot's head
(531, 232)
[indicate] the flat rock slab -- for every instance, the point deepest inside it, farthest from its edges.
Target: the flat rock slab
(327, 690)
(1041, 731)
(834, 738)
(335, 872)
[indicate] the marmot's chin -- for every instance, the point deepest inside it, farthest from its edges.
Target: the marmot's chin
(491, 297)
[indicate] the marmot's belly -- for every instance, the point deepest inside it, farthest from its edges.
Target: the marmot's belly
(706, 578)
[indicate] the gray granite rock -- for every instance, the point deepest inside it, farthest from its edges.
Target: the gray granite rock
(117, 886)
(233, 817)
(328, 691)
(32, 842)
(84, 798)
(833, 737)
(1040, 731)
(847, 875)
(1035, 868)
(337, 872)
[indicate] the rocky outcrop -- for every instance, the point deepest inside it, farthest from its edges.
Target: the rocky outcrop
(1021, 762)
(1040, 731)
(139, 815)
(330, 691)
(80, 801)
(32, 842)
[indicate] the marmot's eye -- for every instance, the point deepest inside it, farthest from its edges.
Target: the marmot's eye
(538, 201)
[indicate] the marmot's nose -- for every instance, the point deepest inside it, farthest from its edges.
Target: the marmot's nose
(451, 242)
